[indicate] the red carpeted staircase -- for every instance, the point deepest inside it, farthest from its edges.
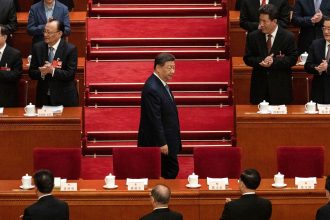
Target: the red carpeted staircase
(123, 37)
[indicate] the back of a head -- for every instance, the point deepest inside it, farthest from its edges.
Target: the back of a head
(327, 183)
(270, 10)
(60, 24)
(162, 58)
(161, 194)
(44, 180)
(251, 178)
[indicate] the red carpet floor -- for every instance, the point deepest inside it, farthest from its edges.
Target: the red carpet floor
(98, 168)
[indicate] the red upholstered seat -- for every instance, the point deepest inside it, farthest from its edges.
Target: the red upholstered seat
(138, 162)
(217, 162)
(300, 161)
(63, 162)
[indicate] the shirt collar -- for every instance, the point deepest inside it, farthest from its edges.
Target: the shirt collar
(164, 83)
(44, 195)
(49, 8)
(274, 32)
(326, 43)
(3, 48)
(55, 46)
(249, 193)
(164, 207)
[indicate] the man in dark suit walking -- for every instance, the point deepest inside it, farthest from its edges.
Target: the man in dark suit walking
(54, 64)
(323, 213)
(249, 13)
(271, 51)
(8, 16)
(10, 71)
(317, 63)
(47, 207)
(159, 123)
(160, 197)
(309, 16)
(249, 206)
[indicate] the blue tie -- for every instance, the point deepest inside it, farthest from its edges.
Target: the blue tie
(50, 54)
(168, 90)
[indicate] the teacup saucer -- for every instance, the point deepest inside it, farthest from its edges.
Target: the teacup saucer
(313, 112)
(193, 186)
(110, 187)
(301, 63)
(26, 188)
(31, 115)
(261, 112)
(279, 185)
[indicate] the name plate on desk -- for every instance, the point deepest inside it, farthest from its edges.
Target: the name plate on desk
(135, 185)
(305, 183)
(278, 109)
(69, 187)
(45, 113)
(323, 109)
(217, 185)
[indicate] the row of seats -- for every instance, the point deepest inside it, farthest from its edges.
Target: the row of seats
(221, 162)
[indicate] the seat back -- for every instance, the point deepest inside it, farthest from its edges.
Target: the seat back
(137, 162)
(300, 161)
(62, 162)
(217, 162)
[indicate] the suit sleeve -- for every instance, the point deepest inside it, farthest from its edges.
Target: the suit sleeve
(66, 22)
(300, 19)
(311, 62)
(15, 72)
(284, 13)
(251, 57)
(12, 18)
(152, 104)
(244, 19)
(68, 72)
(225, 213)
(33, 27)
(34, 71)
(26, 215)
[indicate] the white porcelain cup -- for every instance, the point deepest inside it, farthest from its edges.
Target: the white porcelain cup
(279, 179)
(110, 180)
(30, 109)
(29, 58)
(193, 179)
(26, 181)
(303, 57)
(263, 106)
(310, 106)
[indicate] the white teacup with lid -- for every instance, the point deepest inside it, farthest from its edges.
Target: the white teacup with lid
(30, 109)
(279, 179)
(26, 181)
(110, 180)
(303, 57)
(193, 179)
(263, 106)
(310, 107)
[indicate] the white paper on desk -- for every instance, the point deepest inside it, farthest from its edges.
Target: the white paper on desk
(54, 109)
(277, 109)
(323, 108)
(209, 180)
(142, 180)
(307, 179)
(1, 110)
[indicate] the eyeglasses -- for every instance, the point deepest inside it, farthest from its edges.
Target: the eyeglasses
(50, 33)
(326, 29)
(169, 68)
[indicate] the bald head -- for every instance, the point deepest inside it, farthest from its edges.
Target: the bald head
(161, 194)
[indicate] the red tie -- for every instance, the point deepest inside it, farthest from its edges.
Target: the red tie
(263, 2)
(269, 43)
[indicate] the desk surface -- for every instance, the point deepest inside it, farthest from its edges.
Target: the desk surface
(91, 201)
(75, 17)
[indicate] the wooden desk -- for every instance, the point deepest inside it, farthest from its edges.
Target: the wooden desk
(238, 34)
(259, 135)
(23, 42)
(301, 83)
(93, 202)
(19, 135)
(32, 84)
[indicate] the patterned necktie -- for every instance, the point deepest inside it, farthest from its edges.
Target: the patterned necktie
(317, 4)
(51, 54)
(168, 90)
(269, 43)
(263, 2)
(328, 54)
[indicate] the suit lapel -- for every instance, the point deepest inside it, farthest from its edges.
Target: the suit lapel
(5, 57)
(322, 49)
(43, 13)
(277, 41)
(263, 44)
(60, 50)
(164, 91)
(56, 11)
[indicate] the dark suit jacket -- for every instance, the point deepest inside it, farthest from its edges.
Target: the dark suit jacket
(37, 19)
(8, 15)
(9, 79)
(320, 83)
(68, 3)
(47, 208)
(323, 213)
(248, 207)
(162, 214)
(249, 13)
(273, 83)
(302, 14)
(159, 123)
(62, 85)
